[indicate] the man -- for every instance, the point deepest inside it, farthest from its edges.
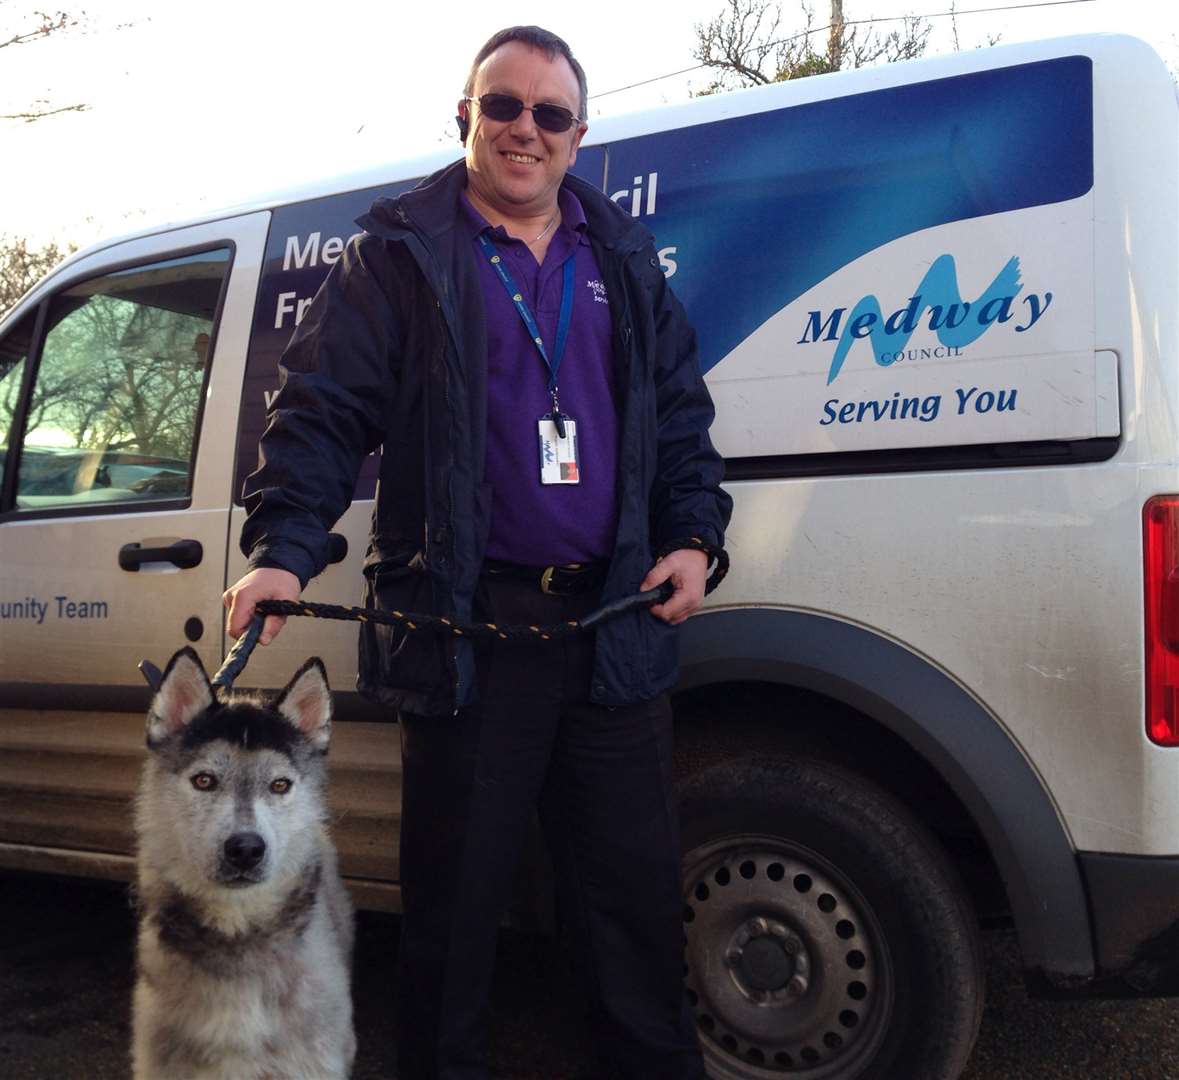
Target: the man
(511, 495)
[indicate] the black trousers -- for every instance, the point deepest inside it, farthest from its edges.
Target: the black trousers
(601, 781)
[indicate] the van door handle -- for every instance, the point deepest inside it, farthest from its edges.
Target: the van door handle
(184, 553)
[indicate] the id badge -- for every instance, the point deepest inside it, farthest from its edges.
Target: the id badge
(558, 457)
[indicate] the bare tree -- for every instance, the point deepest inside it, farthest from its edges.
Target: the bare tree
(21, 267)
(117, 373)
(991, 39)
(22, 23)
(745, 46)
(24, 27)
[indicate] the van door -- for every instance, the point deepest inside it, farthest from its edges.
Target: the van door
(119, 394)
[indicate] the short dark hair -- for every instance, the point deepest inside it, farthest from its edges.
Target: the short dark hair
(538, 38)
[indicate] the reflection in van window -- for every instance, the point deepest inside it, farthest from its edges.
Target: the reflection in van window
(14, 351)
(112, 416)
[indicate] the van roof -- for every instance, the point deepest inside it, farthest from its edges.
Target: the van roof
(1125, 50)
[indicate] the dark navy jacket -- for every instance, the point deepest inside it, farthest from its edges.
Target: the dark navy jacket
(392, 354)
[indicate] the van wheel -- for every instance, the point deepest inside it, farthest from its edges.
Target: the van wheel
(827, 935)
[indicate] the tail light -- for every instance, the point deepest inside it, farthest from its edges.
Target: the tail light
(1160, 538)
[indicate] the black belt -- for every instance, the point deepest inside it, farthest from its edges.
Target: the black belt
(575, 579)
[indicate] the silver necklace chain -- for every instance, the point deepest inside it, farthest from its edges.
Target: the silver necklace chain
(552, 222)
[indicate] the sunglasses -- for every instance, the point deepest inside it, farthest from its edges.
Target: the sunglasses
(505, 108)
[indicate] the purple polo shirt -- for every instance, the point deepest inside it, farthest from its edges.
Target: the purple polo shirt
(533, 523)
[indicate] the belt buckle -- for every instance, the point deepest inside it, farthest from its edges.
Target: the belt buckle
(546, 578)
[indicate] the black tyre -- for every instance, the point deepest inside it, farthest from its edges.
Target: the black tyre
(827, 935)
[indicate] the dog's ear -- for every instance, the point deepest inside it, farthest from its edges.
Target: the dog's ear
(184, 693)
(307, 703)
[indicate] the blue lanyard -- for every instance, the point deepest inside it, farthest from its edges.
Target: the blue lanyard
(554, 363)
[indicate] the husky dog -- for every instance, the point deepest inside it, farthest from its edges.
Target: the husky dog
(245, 933)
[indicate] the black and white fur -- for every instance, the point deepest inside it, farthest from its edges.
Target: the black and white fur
(245, 932)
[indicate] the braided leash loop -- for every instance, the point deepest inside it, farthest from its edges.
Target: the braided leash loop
(414, 620)
(239, 655)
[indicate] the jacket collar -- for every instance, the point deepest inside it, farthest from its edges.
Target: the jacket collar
(608, 223)
(432, 208)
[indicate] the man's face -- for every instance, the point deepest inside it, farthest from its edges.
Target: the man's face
(514, 166)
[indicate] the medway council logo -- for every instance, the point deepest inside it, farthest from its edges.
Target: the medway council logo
(956, 322)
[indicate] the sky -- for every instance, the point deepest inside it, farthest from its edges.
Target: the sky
(198, 106)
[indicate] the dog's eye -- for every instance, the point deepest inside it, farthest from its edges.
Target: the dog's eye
(280, 786)
(204, 781)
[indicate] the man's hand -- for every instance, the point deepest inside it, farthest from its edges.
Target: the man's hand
(687, 569)
(266, 583)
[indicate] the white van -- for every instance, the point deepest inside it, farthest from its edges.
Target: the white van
(938, 303)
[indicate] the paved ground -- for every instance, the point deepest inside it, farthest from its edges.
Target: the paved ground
(65, 984)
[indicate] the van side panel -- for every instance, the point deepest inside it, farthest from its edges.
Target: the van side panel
(789, 196)
(906, 267)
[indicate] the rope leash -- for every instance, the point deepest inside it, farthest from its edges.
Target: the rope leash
(413, 622)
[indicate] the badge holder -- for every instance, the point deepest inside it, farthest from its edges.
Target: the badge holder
(558, 451)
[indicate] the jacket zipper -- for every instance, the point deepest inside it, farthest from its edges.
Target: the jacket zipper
(450, 466)
(447, 334)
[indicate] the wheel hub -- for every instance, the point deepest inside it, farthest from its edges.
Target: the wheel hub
(768, 962)
(788, 972)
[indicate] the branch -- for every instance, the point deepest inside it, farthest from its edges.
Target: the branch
(29, 117)
(741, 44)
(727, 40)
(60, 20)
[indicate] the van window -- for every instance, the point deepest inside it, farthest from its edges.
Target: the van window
(113, 411)
(14, 352)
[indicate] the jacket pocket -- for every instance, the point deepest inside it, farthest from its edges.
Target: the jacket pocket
(406, 669)
(663, 651)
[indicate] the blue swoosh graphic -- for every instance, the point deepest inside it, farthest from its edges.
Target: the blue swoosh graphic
(938, 289)
(760, 208)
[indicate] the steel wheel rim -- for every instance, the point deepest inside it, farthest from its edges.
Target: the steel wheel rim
(802, 981)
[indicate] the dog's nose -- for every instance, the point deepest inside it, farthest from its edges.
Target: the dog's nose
(244, 850)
